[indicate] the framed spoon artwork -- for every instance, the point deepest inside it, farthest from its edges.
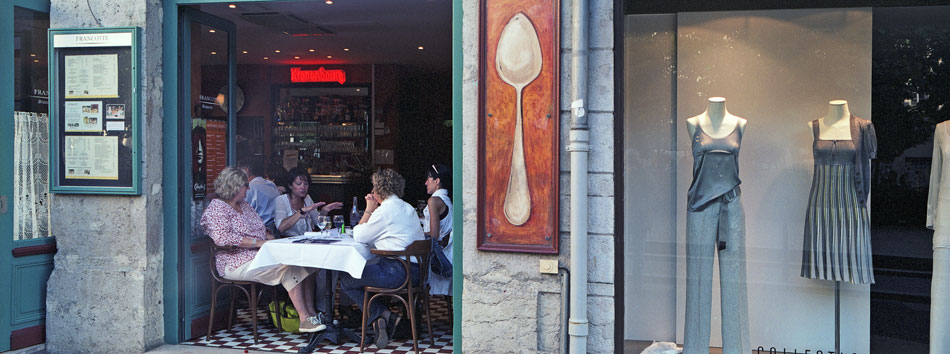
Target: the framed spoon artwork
(518, 132)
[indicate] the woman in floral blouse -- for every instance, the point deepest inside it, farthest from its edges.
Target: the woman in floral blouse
(230, 221)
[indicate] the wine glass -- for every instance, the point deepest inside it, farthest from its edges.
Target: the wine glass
(322, 222)
(338, 222)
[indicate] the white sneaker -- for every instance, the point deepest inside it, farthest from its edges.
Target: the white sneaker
(312, 324)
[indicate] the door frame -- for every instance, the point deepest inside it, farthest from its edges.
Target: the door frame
(6, 154)
(172, 164)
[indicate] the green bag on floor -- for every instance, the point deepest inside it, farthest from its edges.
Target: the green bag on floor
(289, 319)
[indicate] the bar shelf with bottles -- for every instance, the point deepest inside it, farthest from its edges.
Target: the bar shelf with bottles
(328, 129)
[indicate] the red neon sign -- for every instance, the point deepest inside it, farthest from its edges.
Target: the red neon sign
(297, 74)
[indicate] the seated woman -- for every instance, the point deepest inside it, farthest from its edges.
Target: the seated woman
(294, 215)
(292, 211)
(391, 224)
(438, 216)
(230, 221)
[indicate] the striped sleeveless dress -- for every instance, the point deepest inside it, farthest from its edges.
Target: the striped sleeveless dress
(837, 242)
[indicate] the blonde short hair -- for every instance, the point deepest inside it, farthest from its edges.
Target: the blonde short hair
(229, 182)
(387, 182)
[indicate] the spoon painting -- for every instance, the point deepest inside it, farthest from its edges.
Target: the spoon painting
(518, 62)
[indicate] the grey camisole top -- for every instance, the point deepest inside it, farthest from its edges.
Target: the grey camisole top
(715, 167)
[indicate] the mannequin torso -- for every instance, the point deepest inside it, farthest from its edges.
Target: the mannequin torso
(716, 121)
(836, 124)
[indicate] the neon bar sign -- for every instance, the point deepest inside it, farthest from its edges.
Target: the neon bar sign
(297, 74)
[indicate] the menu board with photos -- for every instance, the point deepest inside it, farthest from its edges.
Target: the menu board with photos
(94, 110)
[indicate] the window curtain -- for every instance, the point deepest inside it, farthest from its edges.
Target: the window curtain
(31, 200)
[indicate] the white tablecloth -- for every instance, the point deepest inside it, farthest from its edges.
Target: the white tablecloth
(344, 255)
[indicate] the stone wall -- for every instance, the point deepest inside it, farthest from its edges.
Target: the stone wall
(105, 292)
(508, 306)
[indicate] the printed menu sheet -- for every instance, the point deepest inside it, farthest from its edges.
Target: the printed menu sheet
(91, 157)
(92, 76)
(83, 116)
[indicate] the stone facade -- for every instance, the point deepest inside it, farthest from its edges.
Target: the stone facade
(105, 292)
(508, 305)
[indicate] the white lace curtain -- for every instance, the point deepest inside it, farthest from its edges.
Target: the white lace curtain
(31, 176)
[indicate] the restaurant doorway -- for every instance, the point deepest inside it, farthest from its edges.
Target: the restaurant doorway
(26, 246)
(339, 89)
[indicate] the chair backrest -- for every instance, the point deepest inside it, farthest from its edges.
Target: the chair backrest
(420, 250)
(214, 249)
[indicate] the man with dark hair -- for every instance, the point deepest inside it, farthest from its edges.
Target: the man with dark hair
(260, 192)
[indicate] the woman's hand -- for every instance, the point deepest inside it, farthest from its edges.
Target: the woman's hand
(330, 207)
(371, 203)
(307, 209)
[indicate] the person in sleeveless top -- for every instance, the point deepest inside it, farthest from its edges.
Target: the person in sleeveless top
(437, 215)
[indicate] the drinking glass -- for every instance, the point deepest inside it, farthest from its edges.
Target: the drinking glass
(338, 222)
(322, 222)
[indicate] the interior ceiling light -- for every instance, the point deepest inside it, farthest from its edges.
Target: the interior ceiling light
(233, 6)
(211, 30)
(329, 57)
(329, 2)
(243, 52)
(357, 90)
(296, 57)
(311, 50)
(36, 60)
(277, 51)
(265, 58)
(421, 47)
(346, 49)
(32, 54)
(213, 53)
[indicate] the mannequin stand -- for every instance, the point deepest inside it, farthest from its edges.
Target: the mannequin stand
(837, 317)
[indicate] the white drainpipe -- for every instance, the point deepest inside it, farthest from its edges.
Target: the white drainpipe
(578, 148)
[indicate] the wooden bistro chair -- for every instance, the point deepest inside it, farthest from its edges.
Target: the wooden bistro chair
(218, 282)
(407, 293)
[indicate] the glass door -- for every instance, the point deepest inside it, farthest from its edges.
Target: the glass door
(206, 121)
(26, 247)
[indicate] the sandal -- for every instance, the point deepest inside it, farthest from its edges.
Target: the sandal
(394, 320)
(382, 333)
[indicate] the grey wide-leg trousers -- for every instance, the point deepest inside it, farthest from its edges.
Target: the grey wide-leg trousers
(721, 220)
(940, 302)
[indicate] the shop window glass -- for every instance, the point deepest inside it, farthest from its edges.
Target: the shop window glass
(31, 198)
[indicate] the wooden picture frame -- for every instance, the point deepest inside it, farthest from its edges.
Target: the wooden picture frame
(518, 67)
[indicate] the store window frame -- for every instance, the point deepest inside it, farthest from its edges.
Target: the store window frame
(171, 164)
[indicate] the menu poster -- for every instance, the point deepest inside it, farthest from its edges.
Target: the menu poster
(92, 76)
(91, 157)
(216, 153)
(290, 158)
(199, 178)
(83, 116)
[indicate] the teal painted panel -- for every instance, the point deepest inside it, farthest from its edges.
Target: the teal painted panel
(6, 169)
(201, 285)
(29, 288)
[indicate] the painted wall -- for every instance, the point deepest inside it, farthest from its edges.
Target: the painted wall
(105, 292)
(508, 305)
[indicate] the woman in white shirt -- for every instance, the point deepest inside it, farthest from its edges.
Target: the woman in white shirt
(438, 216)
(292, 211)
(391, 224)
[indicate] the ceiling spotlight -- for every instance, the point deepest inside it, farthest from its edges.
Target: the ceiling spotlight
(213, 53)
(296, 57)
(36, 60)
(346, 49)
(32, 54)
(357, 90)
(421, 47)
(243, 52)
(329, 2)
(329, 57)
(277, 51)
(265, 58)
(311, 50)
(233, 6)
(211, 30)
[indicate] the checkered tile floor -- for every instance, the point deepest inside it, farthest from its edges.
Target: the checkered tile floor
(241, 337)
